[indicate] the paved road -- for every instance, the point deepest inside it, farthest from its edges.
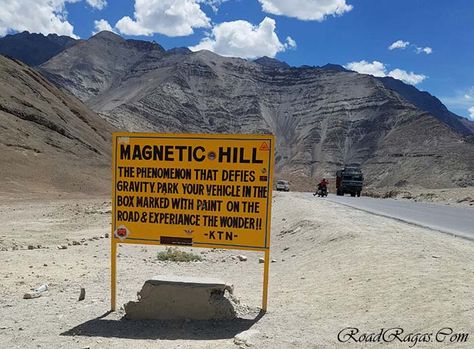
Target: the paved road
(449, 219)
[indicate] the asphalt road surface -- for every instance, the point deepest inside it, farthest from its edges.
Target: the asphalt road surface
(448, 219)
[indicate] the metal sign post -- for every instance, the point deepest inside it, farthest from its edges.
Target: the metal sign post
(196, 190)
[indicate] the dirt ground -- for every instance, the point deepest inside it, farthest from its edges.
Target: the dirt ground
(335, 268)
(449, 196)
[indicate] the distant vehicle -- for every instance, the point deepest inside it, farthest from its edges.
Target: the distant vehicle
(283, 185)
(349, 180)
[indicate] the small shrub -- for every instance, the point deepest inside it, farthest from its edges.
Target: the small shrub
(175, 255)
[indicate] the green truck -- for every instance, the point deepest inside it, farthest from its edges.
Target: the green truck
(349, 180)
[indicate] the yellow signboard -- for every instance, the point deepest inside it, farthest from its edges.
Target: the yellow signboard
(194, 190)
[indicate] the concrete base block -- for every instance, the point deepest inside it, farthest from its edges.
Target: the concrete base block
(180, 298)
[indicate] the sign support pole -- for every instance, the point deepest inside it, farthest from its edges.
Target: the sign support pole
(113, 275)
(266, 269)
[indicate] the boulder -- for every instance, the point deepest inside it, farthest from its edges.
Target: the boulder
(181, 298)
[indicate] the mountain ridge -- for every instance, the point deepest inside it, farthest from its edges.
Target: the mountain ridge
(13, 46)
(34, 49)
(323, 117)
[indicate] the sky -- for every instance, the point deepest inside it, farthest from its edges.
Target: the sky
(426, 43)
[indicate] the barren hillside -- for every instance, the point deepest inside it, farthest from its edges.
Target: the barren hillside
(50, 142)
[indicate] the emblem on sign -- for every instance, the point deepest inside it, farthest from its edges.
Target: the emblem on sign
(211, 155)
(121, 233)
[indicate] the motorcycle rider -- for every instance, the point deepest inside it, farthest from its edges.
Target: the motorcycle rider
(324, 183)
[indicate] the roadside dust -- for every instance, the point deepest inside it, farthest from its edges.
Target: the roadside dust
(335, 267)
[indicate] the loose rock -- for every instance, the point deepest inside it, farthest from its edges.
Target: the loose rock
(82, 294)
(31, 295)
(180, 298)
(42, 288)
(242, 258)
(245, 338)
(261, 260)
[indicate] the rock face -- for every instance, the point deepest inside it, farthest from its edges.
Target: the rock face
(322, 118)
(34, 49)
(49, 141)
(98, 64)
(424, 101)
(271, 63)
(180, 298)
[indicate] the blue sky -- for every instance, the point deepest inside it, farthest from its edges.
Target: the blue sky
(435, 49)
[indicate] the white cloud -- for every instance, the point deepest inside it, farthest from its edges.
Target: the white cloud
(426, 50)
(102, 25)
(380, 70)
(375, 68)
(168, 17)
(36, 16)
(469, 93)
(399, 44)
(407, 77)
(242, 39)
(214, 4)
(290, 43)
(307, 10)
(462, 99)
(471, 111)
(98, 4)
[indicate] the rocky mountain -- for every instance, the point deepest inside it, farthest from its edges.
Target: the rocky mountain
(271, 63)
(34, 49)
(179, 51)
(50, 142)
(422, 100)
(99, 63)
(425, 101)
(323, 117)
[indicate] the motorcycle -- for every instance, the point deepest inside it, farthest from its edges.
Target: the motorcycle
(321, 192)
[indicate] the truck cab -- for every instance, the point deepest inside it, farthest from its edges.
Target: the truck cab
(349, 180)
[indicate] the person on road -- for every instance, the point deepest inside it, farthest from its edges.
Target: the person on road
(323, 184)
